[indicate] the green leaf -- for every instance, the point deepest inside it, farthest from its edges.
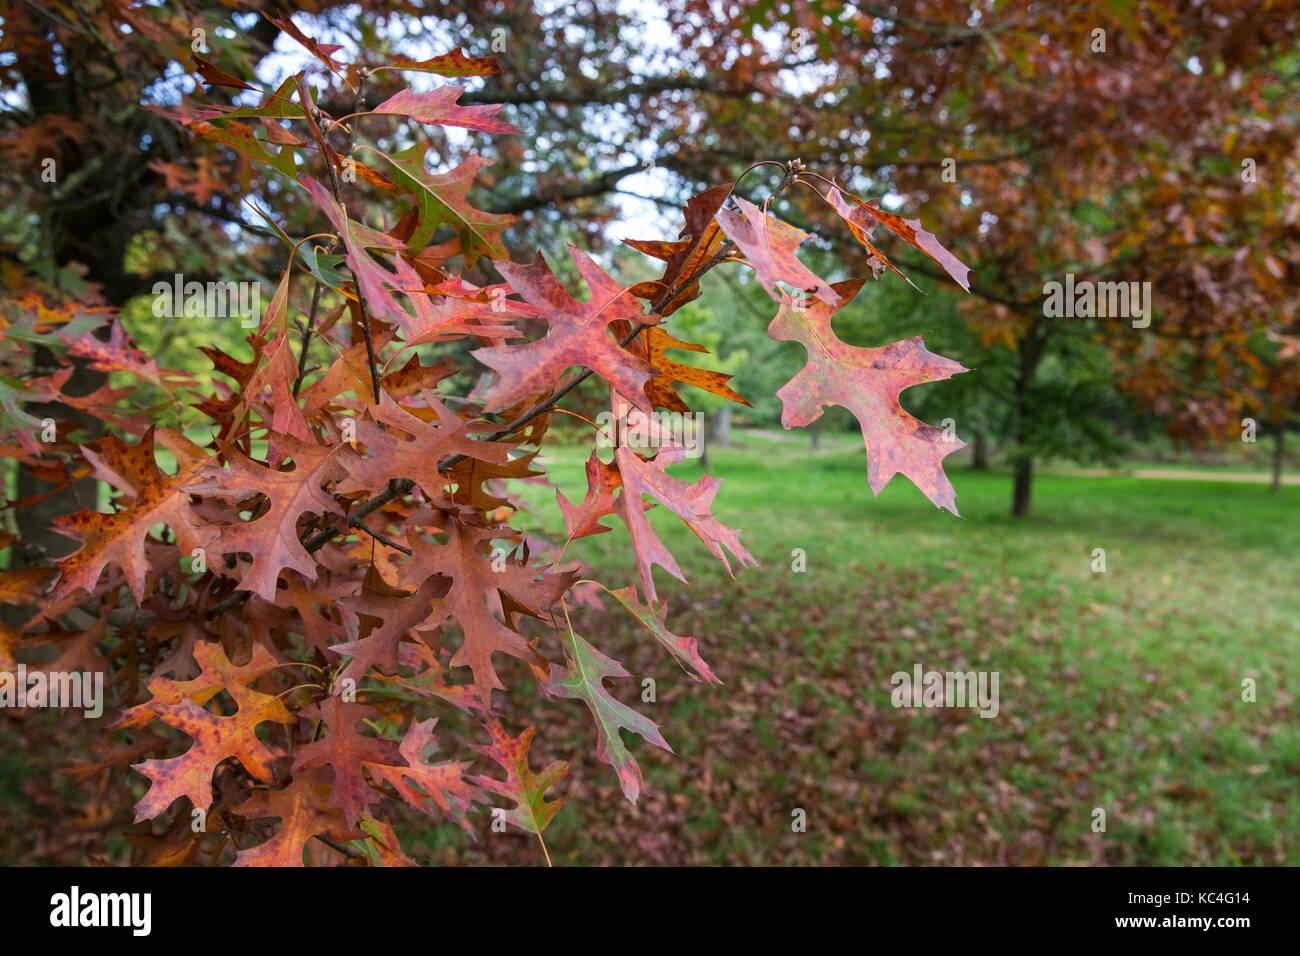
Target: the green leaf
(441, 199)
(532, 811)
(685, 650)
(581, 680)
(319, 263)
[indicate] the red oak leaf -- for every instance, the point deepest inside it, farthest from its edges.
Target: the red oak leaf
(322, 51)
(477, 578)
(685, 257)
(216, 737)
(313, 601)
(419, 783)
(384, 841)
(579, 335)
(770, 244)
(389, 456)
(119, 538)
(429, 682)
(375, 282)
(583, 520)
(693, 503)
(441, 199)
(685, 650)
(388, 615)
(216, 673)
(427, 318)
(304, 811)
(214, 75)
(868, 381)
(344, 750)
(438, 108)
(473, 480)
(455, 63)
(862, 217)
(119, 354)
(279, 370)
(654, 344)
(532, 811)
(25, 586)
(448, 318)
(272, 537)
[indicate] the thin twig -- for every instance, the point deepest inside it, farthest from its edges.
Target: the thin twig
(306, 338)
(383, 540)
(345, 850)
(336, 189)
(366, 332)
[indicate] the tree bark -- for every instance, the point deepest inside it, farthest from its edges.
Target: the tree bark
(717, 427)
(91, 220)
(1020, 495)
(1277, 455)
(1031, 348)
(980, 451)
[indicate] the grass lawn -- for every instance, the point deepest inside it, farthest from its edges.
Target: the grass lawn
(1119, 690)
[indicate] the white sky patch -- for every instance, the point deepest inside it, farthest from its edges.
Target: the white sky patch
(658, 52)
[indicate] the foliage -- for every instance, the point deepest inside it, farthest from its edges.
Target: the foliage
(331, 556)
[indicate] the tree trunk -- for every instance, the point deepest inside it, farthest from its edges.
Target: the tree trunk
(717, 427)
(1031, 348)
(1021, 489)
(980, 451)
(1277, 456)
(92, 224)
(814, 436)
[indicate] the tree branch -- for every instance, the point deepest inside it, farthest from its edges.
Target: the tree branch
(606, 182)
